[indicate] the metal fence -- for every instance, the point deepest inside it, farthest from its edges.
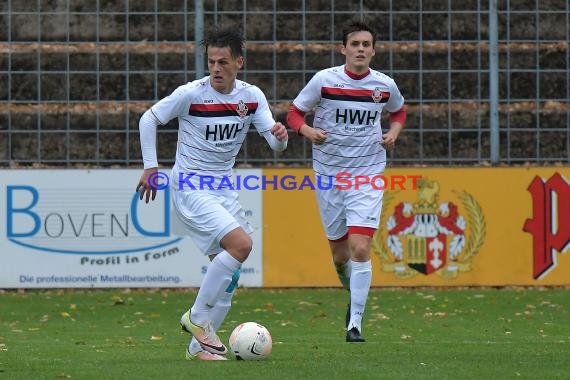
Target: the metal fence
(76, 75)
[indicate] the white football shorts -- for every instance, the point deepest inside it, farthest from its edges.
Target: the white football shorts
(207, 216)
(345, 208)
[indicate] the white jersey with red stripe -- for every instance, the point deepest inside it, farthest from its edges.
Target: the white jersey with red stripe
(349, 111)
(211, 128)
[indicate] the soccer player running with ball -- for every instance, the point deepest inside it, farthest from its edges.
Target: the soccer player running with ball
(214, 114)
(348, 145)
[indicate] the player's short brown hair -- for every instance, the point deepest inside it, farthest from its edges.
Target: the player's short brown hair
(226, 37)
(357, 26)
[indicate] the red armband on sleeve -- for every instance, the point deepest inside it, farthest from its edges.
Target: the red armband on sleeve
(399, 116)
(295, 118)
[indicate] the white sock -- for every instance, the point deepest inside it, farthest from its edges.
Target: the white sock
(218, 312)
(360, 281)
(217, 279)
(222, 307)
(344, 271)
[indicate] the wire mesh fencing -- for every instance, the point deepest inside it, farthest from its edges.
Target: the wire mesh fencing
(75, 76)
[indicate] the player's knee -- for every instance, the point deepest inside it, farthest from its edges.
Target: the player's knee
(247, 245)
(361, 253)
(242, 248)
(340, 259)
(340, 253)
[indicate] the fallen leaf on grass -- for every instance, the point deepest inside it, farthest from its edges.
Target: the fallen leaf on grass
(320, 314)
(305, 303)
(118, 300)
(154, 337)
(381, 316)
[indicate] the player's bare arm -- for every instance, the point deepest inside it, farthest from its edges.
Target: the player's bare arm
(397, 120)
(144, 189)
(296, 120)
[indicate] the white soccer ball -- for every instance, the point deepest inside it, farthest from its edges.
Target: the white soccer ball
(251, 341)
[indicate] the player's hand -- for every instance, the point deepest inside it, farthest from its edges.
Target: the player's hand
(280, 132)
(389, 140)
(144, 188)
(317, 136)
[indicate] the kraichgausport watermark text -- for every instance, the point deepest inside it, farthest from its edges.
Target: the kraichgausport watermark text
(341, 181)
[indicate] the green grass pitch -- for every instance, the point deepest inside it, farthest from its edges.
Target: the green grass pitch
(411, 334)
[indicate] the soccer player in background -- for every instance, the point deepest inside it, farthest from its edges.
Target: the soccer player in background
(348, 142)
(214, 114)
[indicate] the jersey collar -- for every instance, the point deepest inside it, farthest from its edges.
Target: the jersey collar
(356, 76)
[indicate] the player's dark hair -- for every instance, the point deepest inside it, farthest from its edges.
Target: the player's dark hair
(225, 37)
(357, 26)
